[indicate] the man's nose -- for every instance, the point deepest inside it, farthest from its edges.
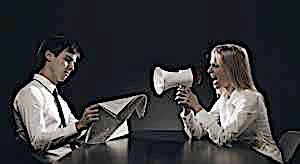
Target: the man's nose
(71, 66)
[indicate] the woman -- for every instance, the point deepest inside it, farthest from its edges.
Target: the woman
(240, 108)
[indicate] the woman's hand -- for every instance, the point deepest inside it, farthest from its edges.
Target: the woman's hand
(185, 97)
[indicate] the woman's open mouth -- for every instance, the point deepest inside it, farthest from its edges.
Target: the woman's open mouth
(215, 81)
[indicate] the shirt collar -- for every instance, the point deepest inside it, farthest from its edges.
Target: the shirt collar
(44, 81)
(234, 96)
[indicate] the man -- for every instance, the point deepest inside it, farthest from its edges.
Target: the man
(48, 123)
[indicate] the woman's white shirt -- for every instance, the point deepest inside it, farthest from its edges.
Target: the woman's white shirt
(242, 117)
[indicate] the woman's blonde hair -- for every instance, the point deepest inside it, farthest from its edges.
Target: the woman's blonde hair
(234, 59)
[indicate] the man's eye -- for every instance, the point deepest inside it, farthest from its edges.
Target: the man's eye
(68, 60)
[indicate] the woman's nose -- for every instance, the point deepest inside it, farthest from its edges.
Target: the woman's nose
(209, 70)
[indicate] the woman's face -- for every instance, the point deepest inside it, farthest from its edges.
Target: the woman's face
(217, 73)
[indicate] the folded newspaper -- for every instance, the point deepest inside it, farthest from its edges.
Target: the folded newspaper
(113, 118)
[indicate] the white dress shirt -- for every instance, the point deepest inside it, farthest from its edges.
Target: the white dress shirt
(242, 117)
(40, 115)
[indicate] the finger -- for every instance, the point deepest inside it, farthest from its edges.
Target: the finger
(182, 102)
(92, 111)
(93, 106)
(186, 90)
(181, 89)
(182, 99)
(87, 113)
(94, 119)
(189, 90)
(178, 93)
(181, 86)
(179, 98)
(93, 115)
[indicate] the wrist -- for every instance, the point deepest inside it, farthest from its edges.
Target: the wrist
(78, 126)
(197, 108)
(187, 112)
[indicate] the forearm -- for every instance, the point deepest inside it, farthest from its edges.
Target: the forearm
(46, 140)
(81, 132)
(216, 133)
(225, 136)
(219, 135)
(192, 126)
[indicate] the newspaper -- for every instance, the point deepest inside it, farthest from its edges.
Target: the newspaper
(113, 118)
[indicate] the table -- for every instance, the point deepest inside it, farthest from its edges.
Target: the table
(162, 147)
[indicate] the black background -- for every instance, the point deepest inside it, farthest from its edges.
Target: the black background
(122, 40)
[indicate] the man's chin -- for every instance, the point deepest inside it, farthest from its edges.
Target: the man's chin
(62, 80)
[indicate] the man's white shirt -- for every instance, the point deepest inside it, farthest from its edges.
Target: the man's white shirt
(38, 110)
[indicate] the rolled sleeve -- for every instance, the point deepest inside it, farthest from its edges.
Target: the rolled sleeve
(192, 126)
(205, 118)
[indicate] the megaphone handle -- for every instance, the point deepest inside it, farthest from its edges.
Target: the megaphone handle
(181, 86)
(184, 106)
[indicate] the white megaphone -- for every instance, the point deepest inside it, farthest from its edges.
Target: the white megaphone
(164, 80)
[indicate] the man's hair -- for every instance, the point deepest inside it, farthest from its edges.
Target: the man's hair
(55, 44)
(235, 61)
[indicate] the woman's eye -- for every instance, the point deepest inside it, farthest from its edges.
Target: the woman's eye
(214, 65)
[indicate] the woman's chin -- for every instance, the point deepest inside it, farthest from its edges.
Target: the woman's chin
(216, 86)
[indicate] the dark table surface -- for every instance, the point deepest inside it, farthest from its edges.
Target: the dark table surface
(163, 147)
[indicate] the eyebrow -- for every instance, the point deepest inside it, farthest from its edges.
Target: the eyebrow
(69, 57)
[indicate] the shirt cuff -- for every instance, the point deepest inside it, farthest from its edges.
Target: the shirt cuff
(186, 117)
(205, 118)
(70, 130)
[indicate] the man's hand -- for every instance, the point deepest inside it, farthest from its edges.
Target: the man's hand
(90, 115)
(187, 98)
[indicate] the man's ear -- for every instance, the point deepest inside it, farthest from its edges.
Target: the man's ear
(49, 55)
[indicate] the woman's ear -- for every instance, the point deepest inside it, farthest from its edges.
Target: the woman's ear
(49, 56)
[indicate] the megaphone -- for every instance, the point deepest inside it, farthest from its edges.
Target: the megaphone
(163, 80)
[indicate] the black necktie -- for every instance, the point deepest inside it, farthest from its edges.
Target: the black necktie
(61, 114)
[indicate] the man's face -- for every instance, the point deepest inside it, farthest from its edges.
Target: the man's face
(63, 65)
